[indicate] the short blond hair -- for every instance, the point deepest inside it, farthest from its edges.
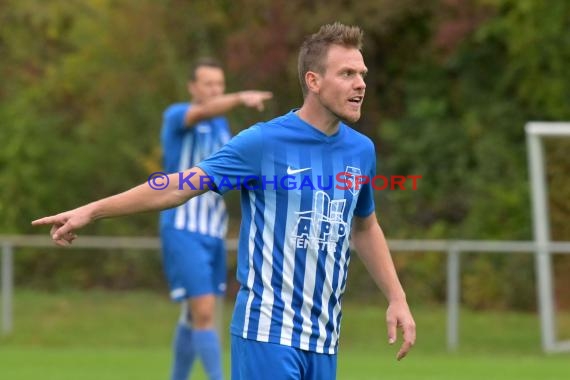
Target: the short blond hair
(314, 50)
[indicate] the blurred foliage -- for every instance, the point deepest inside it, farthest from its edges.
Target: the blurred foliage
(451, 85)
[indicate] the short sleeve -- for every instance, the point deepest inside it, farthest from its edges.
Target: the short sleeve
(173, 118)
(365, 204)
(238, 159)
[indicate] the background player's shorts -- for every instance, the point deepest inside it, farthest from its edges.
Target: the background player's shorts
(194, 264)
(253, 360)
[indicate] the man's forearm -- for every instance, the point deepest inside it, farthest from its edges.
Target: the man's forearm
(372, 248)
(214, 107)
(144, 198)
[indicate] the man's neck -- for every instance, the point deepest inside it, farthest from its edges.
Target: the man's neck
(315, 114)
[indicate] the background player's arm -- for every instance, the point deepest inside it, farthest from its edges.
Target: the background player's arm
(372, 248)
(224, 103)
(138, 199)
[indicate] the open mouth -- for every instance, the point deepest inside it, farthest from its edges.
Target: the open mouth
(356, 100)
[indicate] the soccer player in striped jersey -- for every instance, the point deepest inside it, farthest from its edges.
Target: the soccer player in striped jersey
(193, 234)
(297, 221)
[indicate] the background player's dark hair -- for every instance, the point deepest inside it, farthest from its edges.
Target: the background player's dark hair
(203, 62)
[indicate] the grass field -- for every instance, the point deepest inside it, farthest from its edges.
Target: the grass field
(107, 336)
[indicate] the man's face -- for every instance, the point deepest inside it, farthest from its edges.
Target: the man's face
(209, 83)
(341, 87)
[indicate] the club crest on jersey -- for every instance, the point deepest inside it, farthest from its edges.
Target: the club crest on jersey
(322, 227)
(351, 174)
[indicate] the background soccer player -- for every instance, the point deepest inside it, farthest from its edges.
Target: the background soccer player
(193, 234)
(294, 244)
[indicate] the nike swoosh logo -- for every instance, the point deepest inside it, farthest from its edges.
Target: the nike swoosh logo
(295, 171)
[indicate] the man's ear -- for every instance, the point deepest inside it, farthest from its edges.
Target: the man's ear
(189, 86)
(313, 81)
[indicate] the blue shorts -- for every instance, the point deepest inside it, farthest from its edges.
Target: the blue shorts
(253, 360)
(194, 264)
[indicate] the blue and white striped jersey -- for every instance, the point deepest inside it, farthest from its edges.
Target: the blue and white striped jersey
(183, 148)
(293, 250)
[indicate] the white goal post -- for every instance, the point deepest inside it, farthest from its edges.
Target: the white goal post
(535, 131)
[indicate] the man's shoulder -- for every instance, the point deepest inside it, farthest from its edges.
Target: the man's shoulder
(262, 132)
(275, 125)
(358, 138)
(176, 108)
(279, 120)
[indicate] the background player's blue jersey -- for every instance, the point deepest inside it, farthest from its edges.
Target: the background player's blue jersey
(293, 251)
(183, 147)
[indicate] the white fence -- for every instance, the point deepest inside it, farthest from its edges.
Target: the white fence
(453, 249)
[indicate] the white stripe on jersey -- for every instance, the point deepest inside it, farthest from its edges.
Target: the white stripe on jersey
(208, 143)
(293, 203)
(310, 272)
(251, 272)
(206, 203)
(325, 297)
(344, 261)
(267, 297)
(216, 228)
(198, 151)
(180, 216)
(328, 284)
(192, 205)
